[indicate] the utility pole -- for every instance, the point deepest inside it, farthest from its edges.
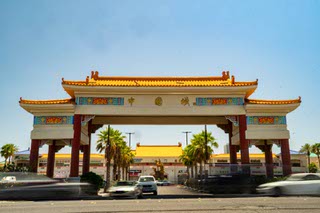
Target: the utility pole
(130, 133)
(186, 132)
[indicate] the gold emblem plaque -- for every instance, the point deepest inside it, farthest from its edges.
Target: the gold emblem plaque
(158, 101)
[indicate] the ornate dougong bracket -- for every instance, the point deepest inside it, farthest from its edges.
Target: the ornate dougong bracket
(86, 119)
(233, 119)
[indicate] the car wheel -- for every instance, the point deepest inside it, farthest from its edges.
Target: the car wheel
(155, 193)
(276, 192)
(140, 196)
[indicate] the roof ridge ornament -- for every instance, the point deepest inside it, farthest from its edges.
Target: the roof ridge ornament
(232, 79)
(94, 75)
(225, 75)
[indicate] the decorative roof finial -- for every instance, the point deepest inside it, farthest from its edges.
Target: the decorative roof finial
(138, 144)
(92, 74)
(96, 75)
(87, 80)
(300, 98)
(225, 75)
(179, 144)
(62, 80)
(232, 79)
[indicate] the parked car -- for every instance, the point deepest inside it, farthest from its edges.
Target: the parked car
(163, 183)
(129, 189)
(295, 184)
(225, 184)
(30, 186)
(148, 184)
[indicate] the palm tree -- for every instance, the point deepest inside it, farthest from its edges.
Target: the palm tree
(7, 151)
(187, 159)
(315, 148)
(114, 137)
(126, 160)
(306, 149)
(201, 147)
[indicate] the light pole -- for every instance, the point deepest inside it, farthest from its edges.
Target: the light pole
(186, 132)
(130, 133)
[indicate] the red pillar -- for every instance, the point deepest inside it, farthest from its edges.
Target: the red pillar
(268, 160)
(74, 167)
(86, 152)
(244, 146)
(34, 155)
(51, 159)
(232, 148)
(285, 156)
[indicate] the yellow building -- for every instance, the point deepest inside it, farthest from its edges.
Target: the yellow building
(147, 155)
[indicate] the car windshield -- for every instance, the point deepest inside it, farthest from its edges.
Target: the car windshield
(295, 177)
(146, 179)
(124, 183)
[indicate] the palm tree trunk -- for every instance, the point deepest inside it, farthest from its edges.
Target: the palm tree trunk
(123, 177)
(118, 172)
(188, 171)
(114, 169)
(126, 171)
(192, 175)
(196, 170)
(201, 170)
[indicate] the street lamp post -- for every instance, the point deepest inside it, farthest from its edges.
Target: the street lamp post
(130, 133)
(186, 132)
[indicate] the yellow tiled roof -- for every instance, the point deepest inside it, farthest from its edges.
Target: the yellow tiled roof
(273, 102)
(223, 81)
(68, 156)
(253, 155)
(59, 101)
(158, 151)
(155, 151)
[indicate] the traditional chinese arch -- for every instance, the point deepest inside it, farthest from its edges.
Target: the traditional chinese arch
(159, 100)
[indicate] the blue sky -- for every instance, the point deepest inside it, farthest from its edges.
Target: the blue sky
(276, 42)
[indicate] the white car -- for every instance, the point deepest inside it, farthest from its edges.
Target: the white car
(296, 184)
(148, 184)
(125, 189)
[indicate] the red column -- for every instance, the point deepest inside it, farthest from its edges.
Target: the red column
(269, 160)
(86, 152)
(51, 159)
(244, 146)
(34, 155)
(285, 156)
(74, 167)
(232, 148)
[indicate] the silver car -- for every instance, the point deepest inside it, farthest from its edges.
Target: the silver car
(296, 184)
(129, 189)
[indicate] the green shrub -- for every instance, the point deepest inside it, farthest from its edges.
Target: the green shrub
(93, 178)
(313, 168)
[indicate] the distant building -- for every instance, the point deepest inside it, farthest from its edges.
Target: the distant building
(226, 149)
(147, 155)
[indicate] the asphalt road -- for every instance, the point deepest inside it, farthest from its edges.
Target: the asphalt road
(203, 205)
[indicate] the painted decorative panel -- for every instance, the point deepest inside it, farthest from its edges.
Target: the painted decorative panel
(219, 101)
(52, 120)
(266, 120)
(100, 101)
